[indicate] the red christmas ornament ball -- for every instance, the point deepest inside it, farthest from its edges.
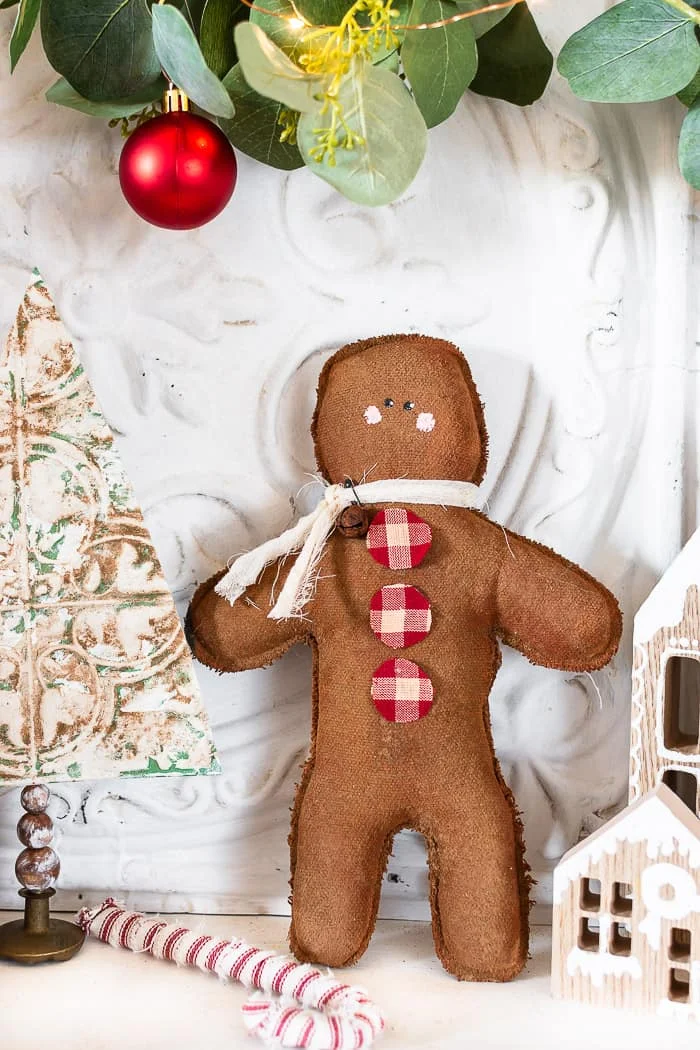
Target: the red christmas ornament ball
(178, 171)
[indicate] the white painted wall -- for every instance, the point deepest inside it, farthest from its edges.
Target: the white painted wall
(554, 245)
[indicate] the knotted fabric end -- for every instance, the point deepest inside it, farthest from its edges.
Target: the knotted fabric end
(310, 535)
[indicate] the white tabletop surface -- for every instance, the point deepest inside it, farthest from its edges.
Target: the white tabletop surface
(107, 999)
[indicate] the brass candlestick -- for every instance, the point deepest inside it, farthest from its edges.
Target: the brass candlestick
(37, 937)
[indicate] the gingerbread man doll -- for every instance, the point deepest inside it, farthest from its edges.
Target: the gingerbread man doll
(403, 589)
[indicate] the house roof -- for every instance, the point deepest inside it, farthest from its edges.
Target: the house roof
(659, 818)
(665, 605)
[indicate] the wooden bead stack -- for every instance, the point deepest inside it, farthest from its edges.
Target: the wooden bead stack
(37, 937)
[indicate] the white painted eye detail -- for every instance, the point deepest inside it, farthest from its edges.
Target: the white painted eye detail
(373, 415)
(425, 422)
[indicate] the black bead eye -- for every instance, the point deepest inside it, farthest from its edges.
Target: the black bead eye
(409, 405)
(388, 402)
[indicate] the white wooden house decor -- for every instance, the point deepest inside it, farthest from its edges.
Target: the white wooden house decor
(626, 929)
(665, 732)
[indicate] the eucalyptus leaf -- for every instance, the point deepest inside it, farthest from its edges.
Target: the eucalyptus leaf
(515, 64)
(192, 10)
(255, 129)
(281, 24)
(323, 12)
(25, 21)
(216, 33)
(269, 72)
(689, 146)
(638, 51)
(280, 27)
(481, 24)
(104, 48)
(390, 61)
(8, 3)
(62, 94)
(182, 60)
(439, 63)
(381, 112)
(331, 12)
(691, 91)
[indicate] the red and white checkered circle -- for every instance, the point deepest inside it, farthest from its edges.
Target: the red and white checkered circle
(400, 615)
(398, 538)
(401, 691)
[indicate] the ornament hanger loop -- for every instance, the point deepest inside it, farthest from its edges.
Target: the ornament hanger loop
(175, 100)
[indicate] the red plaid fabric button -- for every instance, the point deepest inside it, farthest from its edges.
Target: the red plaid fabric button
(398, 538)
(401, 691)
(400, 615)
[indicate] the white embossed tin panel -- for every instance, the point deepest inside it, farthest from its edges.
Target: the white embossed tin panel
(553, 245)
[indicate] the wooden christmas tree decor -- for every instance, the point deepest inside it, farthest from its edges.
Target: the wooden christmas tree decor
(626, 925)
(96, 678)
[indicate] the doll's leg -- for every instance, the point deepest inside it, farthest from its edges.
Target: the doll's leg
(479, 886)
(339, 846)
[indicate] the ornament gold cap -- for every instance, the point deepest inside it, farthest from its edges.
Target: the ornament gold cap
(175, 101)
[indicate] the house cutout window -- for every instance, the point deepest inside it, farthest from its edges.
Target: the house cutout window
(679, 985)
(679, 948)
(621, 938)
(589, 934)
(684, 784)
(682, 705)
(590, 894)
(622, 898)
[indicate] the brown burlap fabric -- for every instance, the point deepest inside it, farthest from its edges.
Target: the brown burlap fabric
(366, 777)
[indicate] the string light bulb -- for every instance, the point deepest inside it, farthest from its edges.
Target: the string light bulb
(297, 23)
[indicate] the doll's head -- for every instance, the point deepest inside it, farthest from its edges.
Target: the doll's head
(399, 406)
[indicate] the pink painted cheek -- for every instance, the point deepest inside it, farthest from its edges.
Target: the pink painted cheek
(425, 422)
(372, 415)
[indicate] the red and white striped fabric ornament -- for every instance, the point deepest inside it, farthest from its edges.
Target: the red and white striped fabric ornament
(398, 538)
(401, 691)
(400, 615)
(310, 1009)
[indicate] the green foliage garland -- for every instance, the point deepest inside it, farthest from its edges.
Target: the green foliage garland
(336, 85)
(642, 51)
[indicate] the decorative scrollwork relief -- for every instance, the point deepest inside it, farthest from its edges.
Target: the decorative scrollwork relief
(533, 239)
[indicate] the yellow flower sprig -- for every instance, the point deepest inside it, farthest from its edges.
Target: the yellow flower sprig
(288, 120)
(339, 135)
(348, 39)
(131, 123)
(332, 51)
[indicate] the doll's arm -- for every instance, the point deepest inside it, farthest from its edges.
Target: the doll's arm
(240, 636)
(552, 611)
